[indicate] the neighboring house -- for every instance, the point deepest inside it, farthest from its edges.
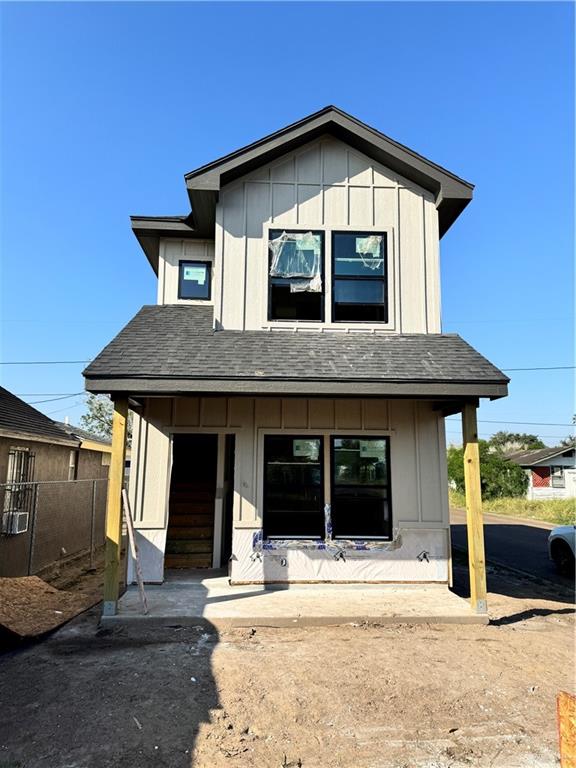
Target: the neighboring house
(34, 449)
(290, 386)
(551, 471)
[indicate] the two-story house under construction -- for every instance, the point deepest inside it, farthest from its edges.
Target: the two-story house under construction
(289, 387)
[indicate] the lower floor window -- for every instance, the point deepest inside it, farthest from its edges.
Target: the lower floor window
(360, 487)
(293, 487)
(295, 492)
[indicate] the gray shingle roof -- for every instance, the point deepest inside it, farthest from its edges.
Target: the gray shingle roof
(82, 434)
(19, 418)
(537, 455)
(178, 343)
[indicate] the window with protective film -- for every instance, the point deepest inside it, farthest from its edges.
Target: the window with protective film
(194, 280)
(359, 267)
(296, 290)
(360, 488)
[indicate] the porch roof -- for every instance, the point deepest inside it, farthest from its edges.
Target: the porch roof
(174, 349)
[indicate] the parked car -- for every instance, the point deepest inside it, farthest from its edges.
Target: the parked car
(561, 547)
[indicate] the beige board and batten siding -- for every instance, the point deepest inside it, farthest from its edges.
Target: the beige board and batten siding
(418, 473)
(172, 252)
(327, 186)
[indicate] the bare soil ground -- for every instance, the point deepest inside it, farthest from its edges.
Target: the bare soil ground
(364, 696)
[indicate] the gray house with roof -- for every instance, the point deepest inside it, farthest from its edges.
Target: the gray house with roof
(551, 471)
(35, 449)
(289, 387)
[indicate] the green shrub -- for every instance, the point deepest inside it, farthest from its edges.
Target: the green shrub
(498, 477)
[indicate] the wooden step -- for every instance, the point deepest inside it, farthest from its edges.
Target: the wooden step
(190, 521)
(183, 507)
(188, 561)
(190, 532)
(181, 547)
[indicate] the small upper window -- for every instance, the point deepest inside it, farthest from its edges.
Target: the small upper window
(359, 277)
(295, 267)
(194, 280)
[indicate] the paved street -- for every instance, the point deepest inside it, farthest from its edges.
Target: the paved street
(513, 543)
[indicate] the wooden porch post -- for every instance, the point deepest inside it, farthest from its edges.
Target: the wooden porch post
(474, 522)
(114, 508)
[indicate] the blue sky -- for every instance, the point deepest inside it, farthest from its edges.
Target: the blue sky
(105, 106)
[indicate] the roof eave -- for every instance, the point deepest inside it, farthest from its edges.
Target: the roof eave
(148, 230)
(169, 386)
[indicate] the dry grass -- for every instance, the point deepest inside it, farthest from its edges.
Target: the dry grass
(557, 511)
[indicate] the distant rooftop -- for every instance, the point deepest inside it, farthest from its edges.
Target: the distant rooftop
(82, 434)
(19, 419)
(538, 455)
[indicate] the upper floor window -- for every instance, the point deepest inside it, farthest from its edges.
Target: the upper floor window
(296, 272)
(194, 280)
(359, 277)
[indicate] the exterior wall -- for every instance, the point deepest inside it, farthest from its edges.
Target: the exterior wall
(540, 480)
(171, 253)
(62, 510)
(418, 482)
(327, 186)
(51, 462)
(323, 186)
(90, 466)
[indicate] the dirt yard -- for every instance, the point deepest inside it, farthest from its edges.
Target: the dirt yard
(352, 696)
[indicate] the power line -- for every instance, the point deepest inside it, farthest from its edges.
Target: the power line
(41, 394)
(66, 408)
(52, 399)
(544, 437)
(550, 368)
(521, 423)
(43, 362)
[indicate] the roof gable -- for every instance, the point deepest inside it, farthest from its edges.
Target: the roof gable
(451, 192)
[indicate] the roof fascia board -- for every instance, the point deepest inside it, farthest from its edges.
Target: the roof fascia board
(94, 445)
(136, 386)
(432, 176)
(149, 229)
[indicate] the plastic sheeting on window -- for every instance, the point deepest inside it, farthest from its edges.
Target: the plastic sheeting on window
(370, 251)
(297, 255)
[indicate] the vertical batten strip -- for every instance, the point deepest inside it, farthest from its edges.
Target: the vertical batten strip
(398, 280)
(425, 266)
(416, 422)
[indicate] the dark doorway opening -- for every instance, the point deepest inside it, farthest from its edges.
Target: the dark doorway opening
(228, 500)
(190, 536)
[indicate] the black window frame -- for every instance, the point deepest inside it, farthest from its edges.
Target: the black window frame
(195, 263)
(388, 536)
(383, 279)
(295, 536)
(274, 232)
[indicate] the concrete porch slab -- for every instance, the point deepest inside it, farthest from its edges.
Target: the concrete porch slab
(211, 600)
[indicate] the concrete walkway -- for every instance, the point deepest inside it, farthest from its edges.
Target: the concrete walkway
(196, 599)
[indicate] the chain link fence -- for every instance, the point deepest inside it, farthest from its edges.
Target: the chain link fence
(45, 523)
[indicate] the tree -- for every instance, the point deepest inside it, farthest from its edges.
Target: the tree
(98, 419)
(515, 441)
(498, 476)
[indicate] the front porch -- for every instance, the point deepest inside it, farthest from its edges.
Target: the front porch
(194, 597)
